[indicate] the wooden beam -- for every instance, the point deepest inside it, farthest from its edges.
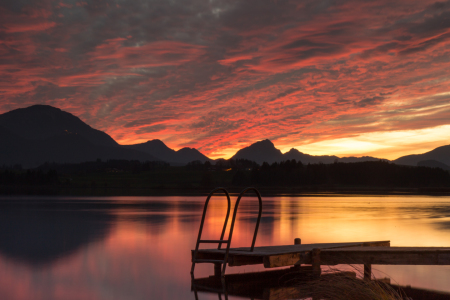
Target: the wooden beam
(315, 259)
(387, 256)
(277, 256)
(282, 260)
(217, 269)
(367, 271)
(243, 260)
(377, 244)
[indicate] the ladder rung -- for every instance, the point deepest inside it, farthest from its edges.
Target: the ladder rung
(213, 241)
(206, 288)
(208, 261)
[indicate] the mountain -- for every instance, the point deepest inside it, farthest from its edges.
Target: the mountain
(187, 154)
(309, 159)
(351, 159)
(265, 151)
(38, 134)
(40, 122)
(433, 164)
(262, 151)
(440, 154)
(63, 148)
(158, 149)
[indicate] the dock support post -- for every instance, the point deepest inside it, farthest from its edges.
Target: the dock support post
(297, 241)
(367, 271)
(217, 269)
(315, 256)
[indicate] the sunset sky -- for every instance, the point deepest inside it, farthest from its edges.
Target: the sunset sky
(326, 77)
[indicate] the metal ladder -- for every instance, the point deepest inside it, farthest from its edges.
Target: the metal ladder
(221, 241)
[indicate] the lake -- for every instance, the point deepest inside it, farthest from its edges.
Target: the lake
(139, 247)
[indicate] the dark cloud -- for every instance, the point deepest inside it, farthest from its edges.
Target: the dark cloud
(370, 101)
(150, 129)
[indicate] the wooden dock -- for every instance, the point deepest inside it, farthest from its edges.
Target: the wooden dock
(367, 253)
(297, 255)
(306, 261)
(278, 256)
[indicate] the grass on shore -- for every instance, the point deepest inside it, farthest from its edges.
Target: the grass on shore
(337, 285)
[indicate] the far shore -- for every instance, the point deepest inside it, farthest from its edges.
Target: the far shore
(265, 192)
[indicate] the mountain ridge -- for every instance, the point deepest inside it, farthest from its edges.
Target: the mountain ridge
(42, 133)
(39, 122)
(440, 154)
(265, 151)
(158, 149)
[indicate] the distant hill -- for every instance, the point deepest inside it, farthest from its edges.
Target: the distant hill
(265, 151)
(433, 164)
(262, 151)
(38, 134)
(352, 159)
(440, 154)
(40, 122)
(158, 149)
(64, 148)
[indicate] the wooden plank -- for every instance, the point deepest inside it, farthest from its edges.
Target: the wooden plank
(275, 260)
(285, 249)
(289, 259)
(387, 256)
(315, 260)
(277, 256)
(367, 271)
(242, 260)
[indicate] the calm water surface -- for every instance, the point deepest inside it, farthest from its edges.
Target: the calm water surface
(139, 247)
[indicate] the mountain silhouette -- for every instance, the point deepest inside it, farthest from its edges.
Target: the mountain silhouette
(440, 154)
(40, 122)
(158, 149)
(40, 133)
(433, 164)
(265, 151)
(262, 151)
(309, 159)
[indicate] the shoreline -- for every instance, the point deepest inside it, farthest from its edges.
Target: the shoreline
(265, 191)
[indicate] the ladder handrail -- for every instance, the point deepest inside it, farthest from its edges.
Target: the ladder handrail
(233, 220)
(203, 221)
(230, 235)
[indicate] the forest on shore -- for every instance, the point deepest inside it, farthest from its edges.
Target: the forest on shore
(123, 177)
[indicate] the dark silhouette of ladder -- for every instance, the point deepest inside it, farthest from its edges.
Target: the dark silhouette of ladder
(221, 241)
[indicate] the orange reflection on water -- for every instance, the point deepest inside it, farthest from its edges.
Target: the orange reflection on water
(146, 252)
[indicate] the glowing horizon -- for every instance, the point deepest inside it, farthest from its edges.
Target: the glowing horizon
(376, 144)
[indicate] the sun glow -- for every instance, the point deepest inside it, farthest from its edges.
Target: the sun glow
(389, 145)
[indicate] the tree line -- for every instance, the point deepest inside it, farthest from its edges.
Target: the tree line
(228, 173)
(370, 174)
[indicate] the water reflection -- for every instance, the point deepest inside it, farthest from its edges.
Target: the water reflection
(41, 236)
(139, 247)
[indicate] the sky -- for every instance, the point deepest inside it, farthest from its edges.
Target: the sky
(345, 78)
